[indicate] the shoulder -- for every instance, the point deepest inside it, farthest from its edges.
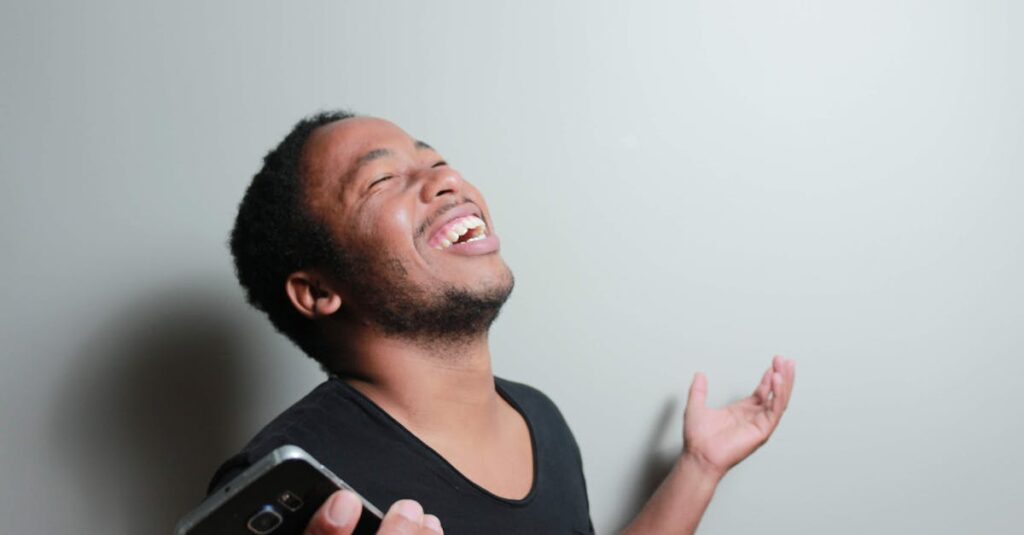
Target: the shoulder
(305, 416)
(306, 424)
(525, 395)
(539, 409)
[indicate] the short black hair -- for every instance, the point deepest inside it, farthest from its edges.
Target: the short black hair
(275, 234)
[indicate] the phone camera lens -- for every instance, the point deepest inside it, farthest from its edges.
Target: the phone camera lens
(290, 500)
(264, 521)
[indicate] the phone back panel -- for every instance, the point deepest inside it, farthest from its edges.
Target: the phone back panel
(286, 495)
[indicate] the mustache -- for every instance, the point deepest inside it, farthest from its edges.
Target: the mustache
(439, 213)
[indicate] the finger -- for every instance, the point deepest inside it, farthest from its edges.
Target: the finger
(777, 398)
(785, 368)
(433, 523)
(337, 516)
(762, 390)
(790, 381)
(404, 518)
(698, 392)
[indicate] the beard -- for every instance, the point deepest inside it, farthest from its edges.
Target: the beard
(384, 296)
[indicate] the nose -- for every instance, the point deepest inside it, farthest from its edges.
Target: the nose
(440, 181)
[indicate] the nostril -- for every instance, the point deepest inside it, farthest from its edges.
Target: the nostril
(439, 183)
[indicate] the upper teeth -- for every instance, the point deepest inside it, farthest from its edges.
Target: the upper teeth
(460, 228)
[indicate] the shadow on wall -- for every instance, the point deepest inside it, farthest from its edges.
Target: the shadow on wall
(153, 407)
(660, 455)
(655, 464)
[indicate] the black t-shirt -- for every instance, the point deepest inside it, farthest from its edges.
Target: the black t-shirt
(384, 462)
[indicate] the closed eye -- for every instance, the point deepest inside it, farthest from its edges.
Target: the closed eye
(379, 180)
(441, 163)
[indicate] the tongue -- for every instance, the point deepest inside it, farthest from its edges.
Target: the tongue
(470, 234)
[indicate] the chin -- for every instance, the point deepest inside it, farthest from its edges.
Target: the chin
(501, 284)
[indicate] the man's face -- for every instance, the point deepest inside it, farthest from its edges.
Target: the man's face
(419, 255)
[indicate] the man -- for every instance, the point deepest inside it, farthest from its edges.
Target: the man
(376, 258)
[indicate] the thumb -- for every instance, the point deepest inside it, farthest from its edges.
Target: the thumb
(404, 518)
(337, 516)
(698, 392)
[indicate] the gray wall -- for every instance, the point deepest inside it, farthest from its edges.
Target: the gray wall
(680, 186)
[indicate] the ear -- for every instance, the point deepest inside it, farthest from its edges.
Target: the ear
(311, 295)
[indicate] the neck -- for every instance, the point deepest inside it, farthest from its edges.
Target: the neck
(428, 386)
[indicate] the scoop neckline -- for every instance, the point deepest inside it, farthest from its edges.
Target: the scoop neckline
(444, 462)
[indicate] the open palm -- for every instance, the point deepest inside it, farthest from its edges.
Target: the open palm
(721, 438)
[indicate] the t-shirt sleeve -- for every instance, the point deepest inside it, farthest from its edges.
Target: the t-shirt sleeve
(299, 425)
(228, 471)
(237, 464)
(583, 482)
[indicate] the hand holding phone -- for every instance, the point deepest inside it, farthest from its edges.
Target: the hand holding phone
(340, 515)
(288, 492)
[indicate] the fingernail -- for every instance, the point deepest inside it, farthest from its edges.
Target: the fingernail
(409, 509)
(340, 510)
(432, 522)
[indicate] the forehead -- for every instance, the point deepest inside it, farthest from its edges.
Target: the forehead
(334, 148)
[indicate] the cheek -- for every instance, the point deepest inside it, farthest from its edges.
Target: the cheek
(397, 222)
(387, 225)
(481, 201)
(400, 219)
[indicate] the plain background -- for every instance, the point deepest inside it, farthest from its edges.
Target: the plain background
(679, 186)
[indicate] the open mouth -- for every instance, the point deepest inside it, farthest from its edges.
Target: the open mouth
(463, 229)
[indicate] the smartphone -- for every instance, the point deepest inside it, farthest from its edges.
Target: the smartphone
(278, 494)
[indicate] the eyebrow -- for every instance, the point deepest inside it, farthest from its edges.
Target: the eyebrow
(377, 154)
(374, 154)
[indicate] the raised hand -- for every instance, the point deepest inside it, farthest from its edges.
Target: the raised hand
(718, 439)
(340, 513)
